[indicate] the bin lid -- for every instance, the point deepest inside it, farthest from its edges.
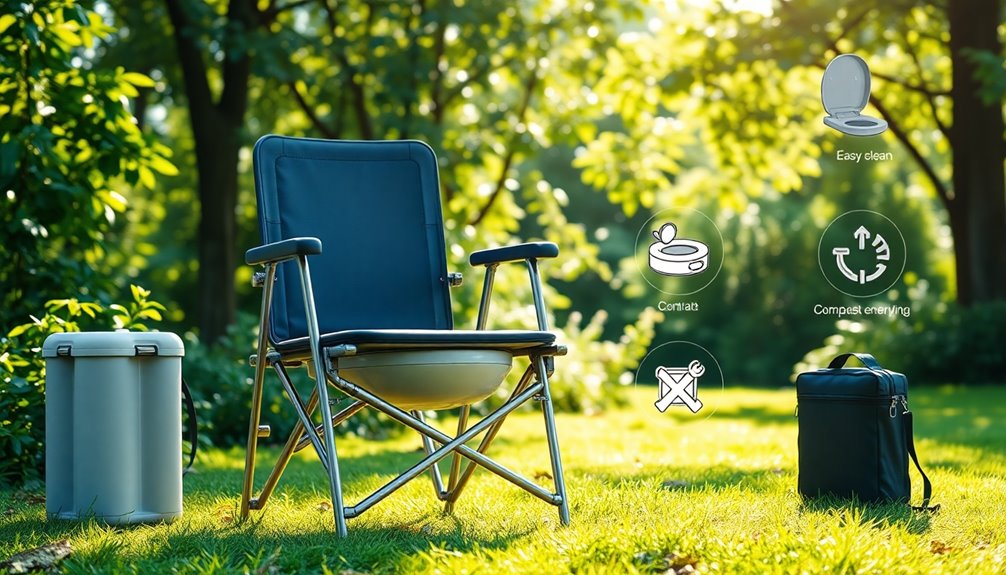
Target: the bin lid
(845, 88)
(113, 344)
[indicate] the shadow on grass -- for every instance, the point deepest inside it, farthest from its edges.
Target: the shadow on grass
(875, 515)
(305, 474)
(364, 549)
(685, 478)
(243, 543)
(757, 416)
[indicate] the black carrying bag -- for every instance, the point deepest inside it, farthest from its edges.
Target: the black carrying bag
(855, 433)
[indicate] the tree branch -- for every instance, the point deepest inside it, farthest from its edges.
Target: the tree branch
(359, 94)
(318, 124)
(439, 49)
(930, 97)
(532, 82)
(242, 15)
(920, 88)
(412, 95)
(946, 194)
(846, 28)
(197, 86)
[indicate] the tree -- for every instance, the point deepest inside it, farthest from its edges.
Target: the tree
(217, 121)
(744, 87)
(977, 201)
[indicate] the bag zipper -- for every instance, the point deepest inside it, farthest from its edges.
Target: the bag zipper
(895, 400)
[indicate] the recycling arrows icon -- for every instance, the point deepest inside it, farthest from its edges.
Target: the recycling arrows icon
(881, 249)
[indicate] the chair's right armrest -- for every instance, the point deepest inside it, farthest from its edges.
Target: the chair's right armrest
(283, 250)
(514, 253)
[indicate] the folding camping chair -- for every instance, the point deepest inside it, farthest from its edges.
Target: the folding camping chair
(378, 328)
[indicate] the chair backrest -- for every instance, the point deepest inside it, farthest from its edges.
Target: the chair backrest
(375, 205)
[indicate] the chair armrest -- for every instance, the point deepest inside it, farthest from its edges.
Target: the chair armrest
(283, 250)
(519, 252)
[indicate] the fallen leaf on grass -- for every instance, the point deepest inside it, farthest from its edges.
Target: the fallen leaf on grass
(323, 506)
(674, 484)
(41, 558)
(672, 564)
(30, 498)
(939, 547)
(269, 567)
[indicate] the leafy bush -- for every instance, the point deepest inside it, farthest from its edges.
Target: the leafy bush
(69, 151)
(22, 373)
(940, 343)
(592, 377)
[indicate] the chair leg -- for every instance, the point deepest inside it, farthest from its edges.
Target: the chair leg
(288, 450)
(334, 481)
(553, 441)
(428, 448)
(452, 482)
(250, 451)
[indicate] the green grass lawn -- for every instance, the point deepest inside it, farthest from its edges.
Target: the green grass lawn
(650, 493)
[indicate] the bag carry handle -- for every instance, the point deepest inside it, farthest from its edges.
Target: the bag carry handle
(190, 408)
(864, 358)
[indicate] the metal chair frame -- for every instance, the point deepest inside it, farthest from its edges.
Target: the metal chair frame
(533, 385)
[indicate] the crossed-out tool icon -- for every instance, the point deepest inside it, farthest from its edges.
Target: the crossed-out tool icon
(679, 386)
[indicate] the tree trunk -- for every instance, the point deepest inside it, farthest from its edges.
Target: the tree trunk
(217, 161)
(978, 207)
(216, 129)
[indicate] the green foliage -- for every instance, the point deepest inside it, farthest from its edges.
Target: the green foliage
(22, 374)
(69, 150)
(592, 387)
(941, 343)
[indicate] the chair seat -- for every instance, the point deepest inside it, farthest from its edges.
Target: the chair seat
(518, 342)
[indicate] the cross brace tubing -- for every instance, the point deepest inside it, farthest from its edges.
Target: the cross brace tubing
(449, 445)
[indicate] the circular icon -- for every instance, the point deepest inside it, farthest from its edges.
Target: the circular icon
(679, 251)
(862, 253)
(685, 378)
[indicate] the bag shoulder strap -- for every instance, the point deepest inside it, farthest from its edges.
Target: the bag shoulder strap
(193, 428)
(927, 486)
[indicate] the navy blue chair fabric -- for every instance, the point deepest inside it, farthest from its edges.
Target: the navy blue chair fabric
(379, 273)
(375, 206)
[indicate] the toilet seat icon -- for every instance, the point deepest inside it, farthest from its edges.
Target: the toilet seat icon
(674, 256)
(845, 91)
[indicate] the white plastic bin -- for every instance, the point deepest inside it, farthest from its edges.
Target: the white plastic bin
(113, 426)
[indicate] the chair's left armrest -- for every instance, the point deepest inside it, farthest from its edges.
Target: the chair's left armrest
(283, 250)
(514, 253)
